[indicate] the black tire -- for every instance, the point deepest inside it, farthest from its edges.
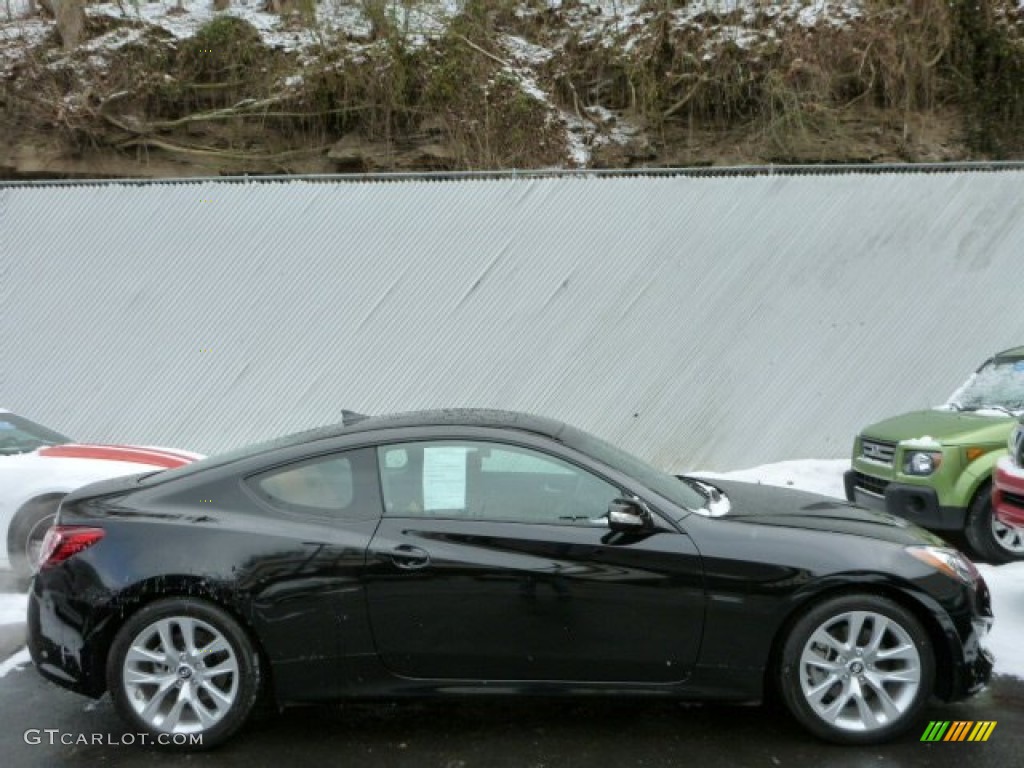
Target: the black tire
(985, 543)
(201, 614)
(908, 701)
(28, 527)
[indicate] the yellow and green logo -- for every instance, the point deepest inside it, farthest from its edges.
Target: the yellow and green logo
(958, 730)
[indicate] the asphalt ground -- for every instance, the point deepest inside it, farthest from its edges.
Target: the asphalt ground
(43, 725)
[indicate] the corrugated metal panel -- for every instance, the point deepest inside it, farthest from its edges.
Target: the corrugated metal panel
(701, 322)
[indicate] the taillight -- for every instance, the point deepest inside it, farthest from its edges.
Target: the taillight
(63, 541)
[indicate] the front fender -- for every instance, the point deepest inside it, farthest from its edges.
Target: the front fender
(976, 474)
(946, 636)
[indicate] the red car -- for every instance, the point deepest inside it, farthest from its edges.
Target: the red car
(1008, 489)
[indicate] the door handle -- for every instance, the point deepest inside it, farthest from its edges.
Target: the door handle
(410, 558)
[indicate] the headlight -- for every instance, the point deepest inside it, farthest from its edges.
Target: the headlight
(949, 561)
(921, 462)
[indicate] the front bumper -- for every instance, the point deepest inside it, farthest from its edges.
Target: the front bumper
(978, 672)
(975, 670)
(1008, 495)
(917, 503)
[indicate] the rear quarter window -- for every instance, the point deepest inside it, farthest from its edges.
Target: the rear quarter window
(334, 486)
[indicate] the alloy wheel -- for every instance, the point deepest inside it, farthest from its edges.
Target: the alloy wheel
(1008, 537)
(860, 671)
(180, 675)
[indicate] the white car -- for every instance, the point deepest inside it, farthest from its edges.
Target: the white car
(39, 466)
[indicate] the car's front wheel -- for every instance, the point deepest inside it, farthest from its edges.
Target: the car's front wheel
(185, 672)
(857, 669)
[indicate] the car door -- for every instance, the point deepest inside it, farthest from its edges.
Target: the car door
(494, 561)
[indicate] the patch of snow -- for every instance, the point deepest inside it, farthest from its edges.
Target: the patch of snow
(17, 661)
(116, 38)
(13, 608)
(601, 114)
(529, 86)
(1006, 583)
(802, 12)
(824, 476)
(96, 62)
(738, 36)
(281, 31)
(14, 9)
(575, 131)
(524, 52)
(927, 443)
(592, 126)
(25, 31)
(810, 15)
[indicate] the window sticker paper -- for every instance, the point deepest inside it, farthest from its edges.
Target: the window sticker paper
(444, 477)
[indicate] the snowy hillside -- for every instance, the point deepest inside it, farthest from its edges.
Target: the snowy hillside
(459, 84)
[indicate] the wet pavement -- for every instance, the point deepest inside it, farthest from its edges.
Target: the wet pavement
(495, 733)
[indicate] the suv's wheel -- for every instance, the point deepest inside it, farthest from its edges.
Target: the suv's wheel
(991, 540)
(857, 669)
(184, 671)
(26, 534)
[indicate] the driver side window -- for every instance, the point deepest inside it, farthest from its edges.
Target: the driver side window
(489, 481)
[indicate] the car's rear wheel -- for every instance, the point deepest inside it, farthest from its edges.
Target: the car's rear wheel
(992, 541)
(26, 534)
(857, 669)
(184, 671)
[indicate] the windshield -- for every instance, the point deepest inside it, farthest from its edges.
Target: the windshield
(998, 385)
(18, 435)
(660, 482)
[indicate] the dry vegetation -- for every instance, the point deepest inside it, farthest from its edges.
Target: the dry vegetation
(898, 80)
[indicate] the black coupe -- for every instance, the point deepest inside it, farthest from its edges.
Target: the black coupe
(465, 552)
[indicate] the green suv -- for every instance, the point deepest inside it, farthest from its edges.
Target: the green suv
(935, 467)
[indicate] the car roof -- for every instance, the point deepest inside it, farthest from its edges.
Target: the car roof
(354, 423)
(458, 417)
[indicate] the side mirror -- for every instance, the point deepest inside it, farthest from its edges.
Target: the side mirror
(627, 516)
